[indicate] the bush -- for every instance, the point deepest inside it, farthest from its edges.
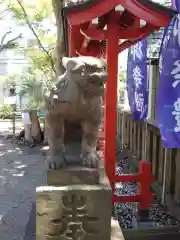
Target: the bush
(6, 111)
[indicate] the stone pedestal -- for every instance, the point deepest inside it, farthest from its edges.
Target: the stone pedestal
(76, 205)
(73, 212)
(72, 176)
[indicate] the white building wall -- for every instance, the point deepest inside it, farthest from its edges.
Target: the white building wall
(3, 72)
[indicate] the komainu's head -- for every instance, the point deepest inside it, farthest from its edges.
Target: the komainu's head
(89, 73)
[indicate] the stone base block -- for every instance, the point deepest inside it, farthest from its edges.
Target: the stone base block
(152, 233)
(76, 212)
(72, 175)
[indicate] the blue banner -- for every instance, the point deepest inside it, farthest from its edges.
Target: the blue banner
(136, 86)
(164, 45)
(176, 4)
(168, 95)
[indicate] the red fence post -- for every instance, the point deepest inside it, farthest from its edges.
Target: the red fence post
(146, 177)
(144, 196)
(145, 193)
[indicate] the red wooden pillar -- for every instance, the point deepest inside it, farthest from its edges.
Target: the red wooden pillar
(146, 177)
(111, 97)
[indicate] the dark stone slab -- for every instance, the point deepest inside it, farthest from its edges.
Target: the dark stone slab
(152, 233)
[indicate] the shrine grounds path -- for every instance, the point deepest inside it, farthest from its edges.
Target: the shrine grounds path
(21, 170)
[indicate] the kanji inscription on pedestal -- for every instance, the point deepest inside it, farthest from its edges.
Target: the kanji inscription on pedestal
(77, 223)
(69, 213)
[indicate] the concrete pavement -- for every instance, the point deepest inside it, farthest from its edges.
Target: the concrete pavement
(6, 126)
(21, 171)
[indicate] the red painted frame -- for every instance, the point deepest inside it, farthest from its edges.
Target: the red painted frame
(105, 6)
(144, 177)
(80, 22)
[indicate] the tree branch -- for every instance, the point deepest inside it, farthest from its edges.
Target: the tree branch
(10, 43)
(3, 12)
(4, 36)
(36, 36)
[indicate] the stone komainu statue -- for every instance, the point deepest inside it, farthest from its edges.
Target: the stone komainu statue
(76, 97)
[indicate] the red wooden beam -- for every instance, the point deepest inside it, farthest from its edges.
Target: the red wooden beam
(100, 34)
(95, 34)
(153, 17)
(75, 39)
(92, 32)
(125, 198)
(127, 178)
(135, 33)
(128, 43)
(93, 49)
(96, 31)
(87, 41)
(104, 6)
(86, 15)
(145, 177)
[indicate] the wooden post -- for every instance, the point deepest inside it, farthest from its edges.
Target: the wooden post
(111, 96)
(164, 176)
(131, 136)
(161, 163)
(135, 139)
(177, 182)
(122, 129)
(171, 169)
(138, 140)
(155, 157)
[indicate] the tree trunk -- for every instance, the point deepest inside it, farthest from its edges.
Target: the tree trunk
(60, 46)
(35, 127)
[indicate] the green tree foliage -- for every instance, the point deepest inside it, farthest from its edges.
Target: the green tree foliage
(7, 42)
(122, 76)
(36, 15)
(6, 111)
(32, 84)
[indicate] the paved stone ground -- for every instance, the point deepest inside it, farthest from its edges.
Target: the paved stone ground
(21, 171)
(6, 126)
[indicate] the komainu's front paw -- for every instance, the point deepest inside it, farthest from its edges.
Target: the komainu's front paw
(56, 162)
(90, 160)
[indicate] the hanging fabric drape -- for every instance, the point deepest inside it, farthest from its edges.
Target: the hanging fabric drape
(137, 80)
(167, 91)
(168, 95)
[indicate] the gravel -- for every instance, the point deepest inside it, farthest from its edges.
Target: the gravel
(127, 212)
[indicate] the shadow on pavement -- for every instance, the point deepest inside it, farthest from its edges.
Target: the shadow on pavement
(30, 230)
